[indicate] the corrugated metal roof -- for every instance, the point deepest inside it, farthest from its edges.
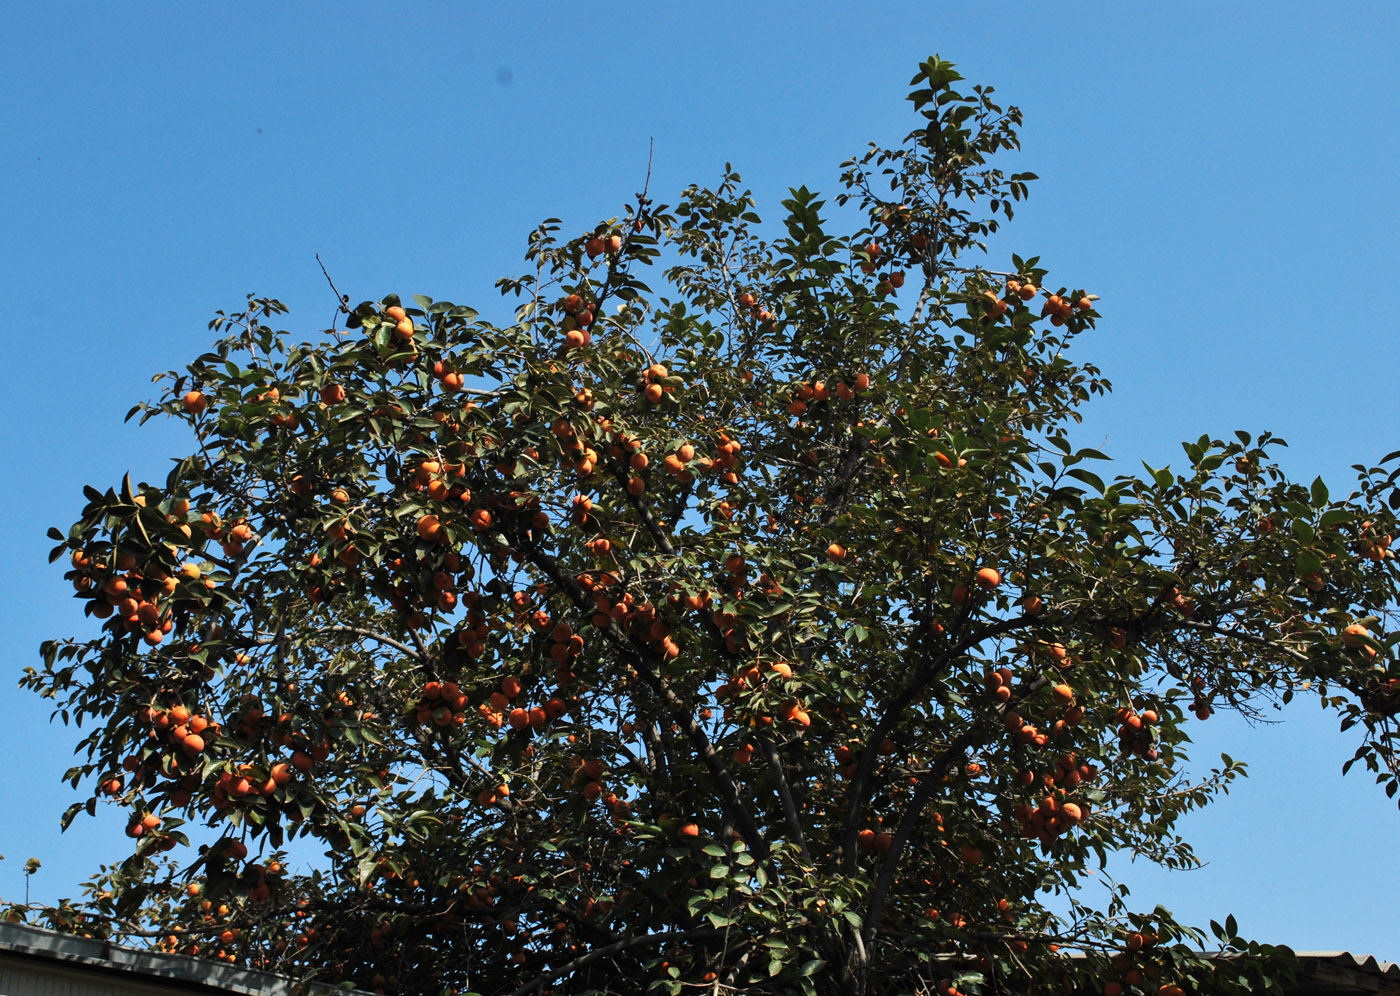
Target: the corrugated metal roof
(1367, 963)
(24, 941)
(1344, 972)
(1318, 971)
(1329, 972)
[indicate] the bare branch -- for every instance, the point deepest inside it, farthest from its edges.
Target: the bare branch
(419, 655)
(626, 944)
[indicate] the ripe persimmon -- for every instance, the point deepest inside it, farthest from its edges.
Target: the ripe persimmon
(1355, 635)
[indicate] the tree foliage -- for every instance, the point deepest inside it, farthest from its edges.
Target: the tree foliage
(765, 633)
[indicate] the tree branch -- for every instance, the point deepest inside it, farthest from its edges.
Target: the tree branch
(928, 785)
(641, 940)
(680, 713)
(265, 641)
(775, 763)
(860, 784)
(1297, 656)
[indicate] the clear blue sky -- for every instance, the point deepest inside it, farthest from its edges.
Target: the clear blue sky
(1221, 173)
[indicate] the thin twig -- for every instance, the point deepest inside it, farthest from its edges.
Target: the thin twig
(342, 300)
(616, 947)
(264, 641)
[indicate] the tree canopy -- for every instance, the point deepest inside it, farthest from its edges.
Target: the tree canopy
(764, 632)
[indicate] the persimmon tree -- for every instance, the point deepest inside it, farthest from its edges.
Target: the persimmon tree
(766, 633)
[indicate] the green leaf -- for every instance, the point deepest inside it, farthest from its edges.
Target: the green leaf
(1162, 478)
(1335, 517)
(1309, 562)
(1088, 477)
(366, 868)
(68, 815)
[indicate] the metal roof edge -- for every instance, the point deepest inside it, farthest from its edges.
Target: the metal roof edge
(1366, 963)
(27, 940)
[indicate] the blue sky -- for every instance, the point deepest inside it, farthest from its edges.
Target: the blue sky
(1221, 174)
